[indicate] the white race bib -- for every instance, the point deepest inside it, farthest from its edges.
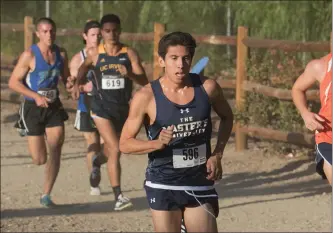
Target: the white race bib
(48, 93)
(111, 82)
(189, 157)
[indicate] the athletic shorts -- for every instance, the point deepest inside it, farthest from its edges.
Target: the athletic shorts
(117, 114)
(33, 119)
(168, 200)
(323, 153)
(84, 122)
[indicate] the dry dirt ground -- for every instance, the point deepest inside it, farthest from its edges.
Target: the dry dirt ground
(259, 191)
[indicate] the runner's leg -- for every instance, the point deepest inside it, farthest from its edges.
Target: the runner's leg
(111, 149)
(55, 139)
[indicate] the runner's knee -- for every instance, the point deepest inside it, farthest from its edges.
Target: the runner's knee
(113, 152)
(91, 137)
(55, 141)
(39, 159)
(328, 171)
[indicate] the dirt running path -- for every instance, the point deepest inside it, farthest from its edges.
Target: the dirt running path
(258, 193)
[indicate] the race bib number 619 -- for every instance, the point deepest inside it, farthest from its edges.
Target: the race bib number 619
(112, 82)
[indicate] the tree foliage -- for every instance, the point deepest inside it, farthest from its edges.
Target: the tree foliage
(294, 20)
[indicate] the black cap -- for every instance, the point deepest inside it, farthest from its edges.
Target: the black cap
(91, 24)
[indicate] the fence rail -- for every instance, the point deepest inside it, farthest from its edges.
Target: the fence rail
(243, 42)
(279, 93)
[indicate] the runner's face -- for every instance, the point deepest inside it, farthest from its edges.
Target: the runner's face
(92, 37)
(46, 33)
(111, 33)
(177, 63)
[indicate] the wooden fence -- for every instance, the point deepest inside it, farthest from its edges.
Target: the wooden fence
(243, 43)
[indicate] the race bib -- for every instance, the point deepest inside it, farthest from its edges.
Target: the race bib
(111, 82)
(189, 157)
(48, 93)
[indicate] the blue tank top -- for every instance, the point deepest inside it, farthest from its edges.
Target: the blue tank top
(81, 103)
(44, 75)
(183, 161)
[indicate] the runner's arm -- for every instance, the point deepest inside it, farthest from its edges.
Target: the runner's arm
(303, 83)
(138, 73)
(74, 66)
(84, 67)
(65, 71)
(128, 142)
(19, 73)
(223, 110)
(313, 72)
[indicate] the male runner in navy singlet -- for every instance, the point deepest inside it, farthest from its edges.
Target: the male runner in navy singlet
(116, 66)
(176, 111)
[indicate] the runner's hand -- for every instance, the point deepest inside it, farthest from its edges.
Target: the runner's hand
(75, 92)
(42, 101)
(313, 121)
(214, 168)
(123, 71)
(70, 83)
(165, 137)
(88, 87)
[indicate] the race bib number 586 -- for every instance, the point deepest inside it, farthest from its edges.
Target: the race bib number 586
(189, 157)
(49, 93)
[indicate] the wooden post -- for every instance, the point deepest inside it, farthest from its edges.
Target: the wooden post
(242, 52)
(28, 32)
(159, 30)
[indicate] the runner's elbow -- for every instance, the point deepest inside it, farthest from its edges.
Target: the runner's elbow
(123, 146)
(12, 83)
(295, 91)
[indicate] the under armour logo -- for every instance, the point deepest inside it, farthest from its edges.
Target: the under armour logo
(152, 200)
(187, 110)
(102, 60)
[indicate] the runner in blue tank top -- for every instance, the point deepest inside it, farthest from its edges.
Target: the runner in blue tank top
(176, 112)
(83, 120)
(116, 66)
(42, 115)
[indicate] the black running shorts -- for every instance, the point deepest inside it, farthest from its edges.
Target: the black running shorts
(33, 119)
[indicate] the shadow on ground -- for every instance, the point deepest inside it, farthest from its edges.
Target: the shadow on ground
(245, 184)
(72, 209)
(241, 184)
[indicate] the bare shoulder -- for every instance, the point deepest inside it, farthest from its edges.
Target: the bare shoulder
(210, 85)
(26, 57)
(144, 95)
(316, 69)
(317, 65)
(131, 50)
(142, 99)
(132, 53)
(27, 54)
(92, 51)
(76, 58)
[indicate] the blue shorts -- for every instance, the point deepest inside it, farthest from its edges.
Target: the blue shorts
(323, 153)
(167, 200)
